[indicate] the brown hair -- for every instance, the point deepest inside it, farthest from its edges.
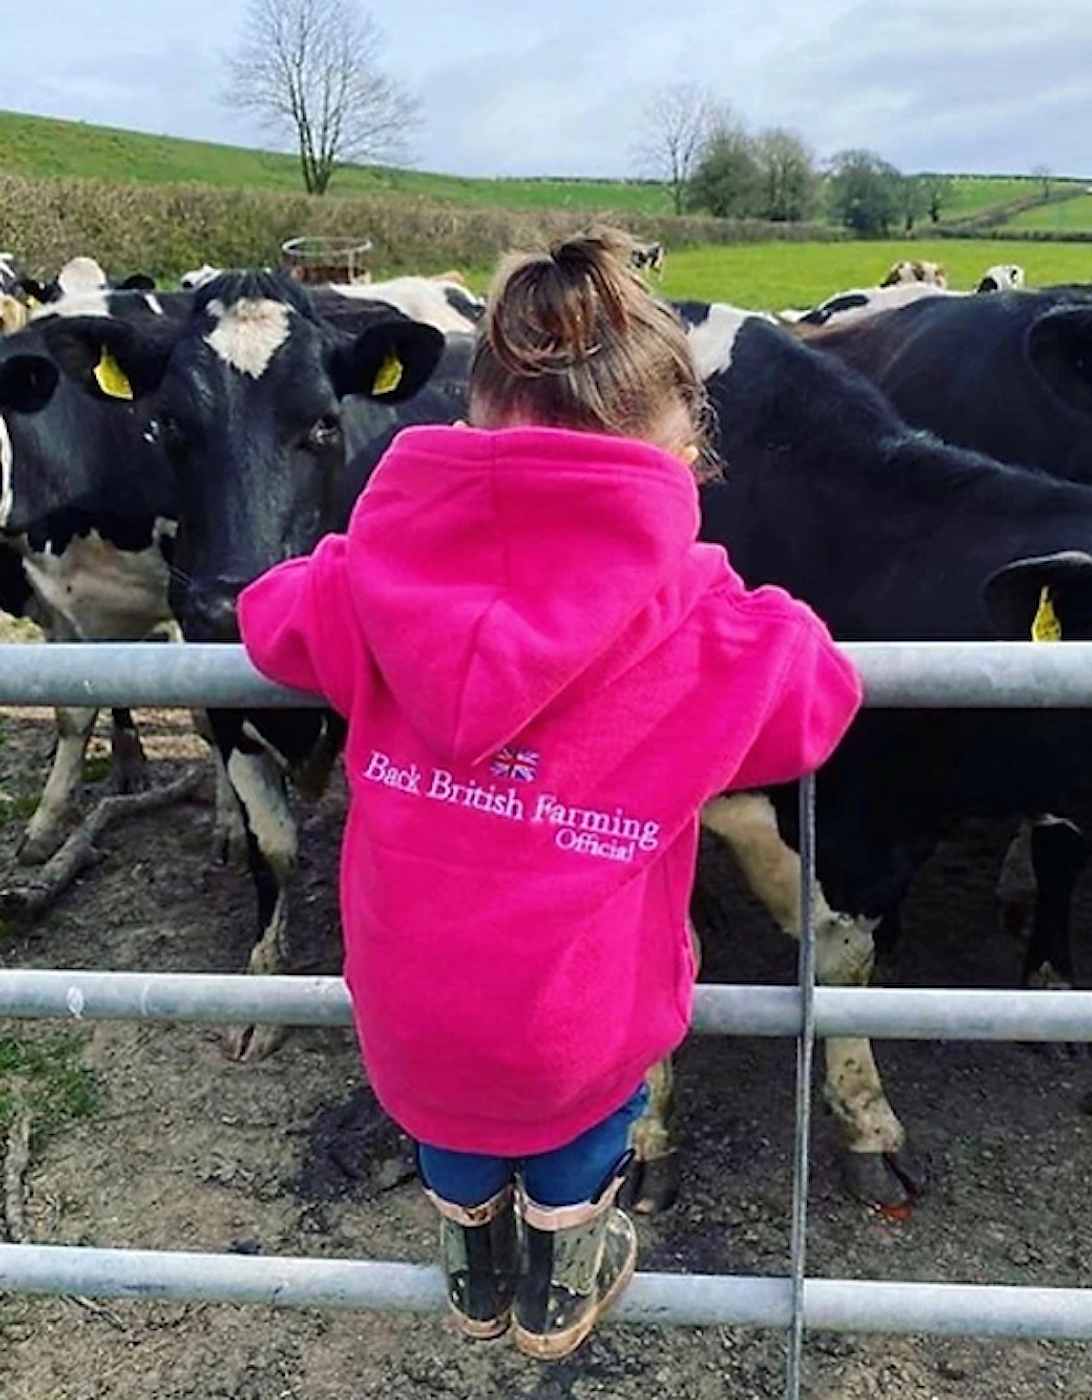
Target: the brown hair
(573, 338)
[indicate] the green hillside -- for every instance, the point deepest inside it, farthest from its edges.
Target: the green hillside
(36, 146)
(45, 146)
(1072, 216)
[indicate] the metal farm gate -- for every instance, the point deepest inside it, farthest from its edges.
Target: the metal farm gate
(904, 675)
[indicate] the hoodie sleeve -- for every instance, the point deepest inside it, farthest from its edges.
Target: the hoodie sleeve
(811, 706)
(297, 625)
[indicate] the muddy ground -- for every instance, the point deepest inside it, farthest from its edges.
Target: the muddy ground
(187, 1149)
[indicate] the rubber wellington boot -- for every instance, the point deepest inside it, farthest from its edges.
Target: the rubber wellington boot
(575, 1261)
(479, 1254)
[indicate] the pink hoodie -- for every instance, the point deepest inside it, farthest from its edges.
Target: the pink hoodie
(544, 677)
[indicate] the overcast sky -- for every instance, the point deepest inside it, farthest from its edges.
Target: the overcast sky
(511, 88)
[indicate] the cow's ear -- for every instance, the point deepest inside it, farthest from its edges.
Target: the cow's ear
(36, 293)
(27, 382)
(389, 361)
(107, 357)
(1046, 599)
(1059, 346)
(138, 282)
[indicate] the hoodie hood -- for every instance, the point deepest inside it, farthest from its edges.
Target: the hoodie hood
(491, 570)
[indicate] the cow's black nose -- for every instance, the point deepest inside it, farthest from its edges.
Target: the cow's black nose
(208, 614)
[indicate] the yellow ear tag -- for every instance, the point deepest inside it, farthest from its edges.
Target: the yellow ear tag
(32, 303)
(1045, 626)
(110, 377)
(389, 375)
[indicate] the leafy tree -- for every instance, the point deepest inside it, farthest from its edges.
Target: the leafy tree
(675, 125)
(937, 193)
(787, 177)
(727, 180)
(310, 68)
(864, 193)
(912, 200)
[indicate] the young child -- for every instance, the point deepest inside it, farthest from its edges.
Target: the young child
(544, 677)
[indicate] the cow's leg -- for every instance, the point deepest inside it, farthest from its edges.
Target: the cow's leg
(229, 833)
(1015, 889)
(877, 1163)
(57, 805)
(273, 852)
(128, 765)
(1059, 852)
(1038, 877)
(652, 1183)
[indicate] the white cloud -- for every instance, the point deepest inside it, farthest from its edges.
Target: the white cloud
(995, 85)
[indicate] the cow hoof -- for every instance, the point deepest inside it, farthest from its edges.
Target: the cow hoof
(887, 1182)
(651, 1186)
(36, 849)
(248, 1044)
(125, 780)
(229, 845)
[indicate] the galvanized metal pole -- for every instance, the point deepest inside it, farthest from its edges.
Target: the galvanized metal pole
(903, 1013)
(698, 1300)
(902, 675)
(805, 1045)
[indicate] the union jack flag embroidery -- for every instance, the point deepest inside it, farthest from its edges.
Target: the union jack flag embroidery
(511, 762)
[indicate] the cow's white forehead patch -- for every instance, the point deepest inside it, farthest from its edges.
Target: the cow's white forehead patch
(711, 342)
(78, 304)
(80, 275)
(248, 333)
(7, 467)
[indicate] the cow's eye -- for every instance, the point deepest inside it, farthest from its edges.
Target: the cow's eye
(165, 430)
(325, 433)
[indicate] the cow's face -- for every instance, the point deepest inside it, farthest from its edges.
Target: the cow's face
(248, 407)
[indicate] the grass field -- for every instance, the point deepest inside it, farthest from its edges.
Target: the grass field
(758, 275)
(771, 276)
(1070, 216)
(44, 146)
(972, 194)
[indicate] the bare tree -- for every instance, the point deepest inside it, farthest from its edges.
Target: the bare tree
(310, 68)
(675, 125)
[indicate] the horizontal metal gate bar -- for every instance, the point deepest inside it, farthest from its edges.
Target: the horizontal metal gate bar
(902, 675)
(994, 675)
(897, 1013)
(838, 1305)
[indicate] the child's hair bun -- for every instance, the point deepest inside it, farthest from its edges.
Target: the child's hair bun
(555, 305)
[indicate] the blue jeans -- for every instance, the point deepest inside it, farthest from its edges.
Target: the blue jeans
(563, 1176)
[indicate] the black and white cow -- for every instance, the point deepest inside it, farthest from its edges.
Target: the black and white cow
(890, 534)
(862, 303)
(260, 403)
(81, 276)
(87, 506)
(1007, 374)
(1002, 277)
(437, 301)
